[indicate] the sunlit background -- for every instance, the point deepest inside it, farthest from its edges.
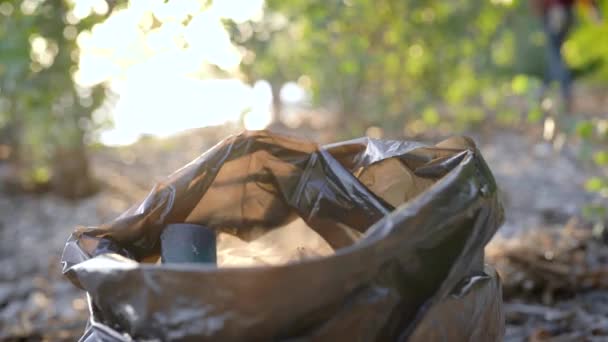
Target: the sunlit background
(78, 74)
(163, 76)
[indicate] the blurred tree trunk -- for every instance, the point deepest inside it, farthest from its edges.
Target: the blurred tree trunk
(9, 151)
(71, 174)
(277, 104)
(11, 134)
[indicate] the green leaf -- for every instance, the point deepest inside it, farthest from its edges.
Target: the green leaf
(349, 67)
(594, 184)
(41, 175)
(430, 116)
(520, 84)
(601, 158)
(584, 129)
(535, 115)
(593, 212)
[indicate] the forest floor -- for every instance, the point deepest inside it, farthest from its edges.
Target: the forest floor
(542, 190)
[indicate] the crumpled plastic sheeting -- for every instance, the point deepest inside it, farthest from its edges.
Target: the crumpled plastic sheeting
(416, 271)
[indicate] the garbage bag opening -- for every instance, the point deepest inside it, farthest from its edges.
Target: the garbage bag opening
(260, 186)
(392, 180)
(292, 242)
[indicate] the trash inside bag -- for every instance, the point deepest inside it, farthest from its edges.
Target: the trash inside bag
(367, 240)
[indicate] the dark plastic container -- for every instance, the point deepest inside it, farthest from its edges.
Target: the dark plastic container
(185, 242)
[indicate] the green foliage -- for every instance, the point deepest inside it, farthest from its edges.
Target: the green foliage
(584, 129)
(422, 64)
(594, 184)
(594, 212)
(601, 158)
(399, 58)
(38, 96)
(535, 115)
(586, 51)
(430, 117)
(520, 84)
(593, 131)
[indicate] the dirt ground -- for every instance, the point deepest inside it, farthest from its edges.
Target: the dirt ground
(541, 188)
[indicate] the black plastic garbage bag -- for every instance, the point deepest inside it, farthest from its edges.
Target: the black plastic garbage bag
(408, 224)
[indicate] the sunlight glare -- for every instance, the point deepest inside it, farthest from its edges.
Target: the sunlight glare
(176, 11)
(257, 119)
(292, 93)
(164, 76)
(166, 104)
(207, 37)
(260, 115)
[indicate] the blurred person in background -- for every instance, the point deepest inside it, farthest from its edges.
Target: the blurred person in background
(557, 18)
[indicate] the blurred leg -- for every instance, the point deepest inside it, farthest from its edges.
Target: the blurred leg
(557, 69)
(565, 75)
